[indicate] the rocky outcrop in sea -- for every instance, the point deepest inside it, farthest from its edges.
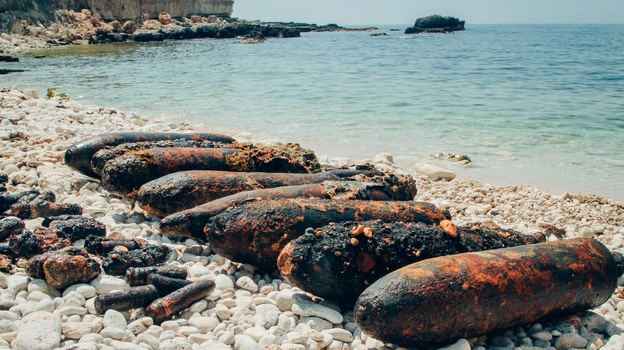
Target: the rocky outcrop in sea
(436, 24)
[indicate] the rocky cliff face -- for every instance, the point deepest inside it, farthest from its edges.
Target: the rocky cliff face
(132, 9)
(12, 12)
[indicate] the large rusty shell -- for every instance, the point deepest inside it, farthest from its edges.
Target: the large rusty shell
(256, 232)
(187, 189)
(78, 155)
(339, 261)
(438, 300)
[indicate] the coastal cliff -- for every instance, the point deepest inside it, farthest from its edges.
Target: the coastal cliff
(12, 12)
(132, 9)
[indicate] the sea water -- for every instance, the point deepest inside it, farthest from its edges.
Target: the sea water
(529, 104)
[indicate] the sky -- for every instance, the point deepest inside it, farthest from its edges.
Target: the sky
(376, 12)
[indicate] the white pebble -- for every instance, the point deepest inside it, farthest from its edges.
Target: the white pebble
(245, 342)
(247, 283)
(339, 334)
(308, 308)
(17, 283)
(204, 324)
(104, 284)
(115, 319)
(39, 330)
(223, 281)
(76, 330)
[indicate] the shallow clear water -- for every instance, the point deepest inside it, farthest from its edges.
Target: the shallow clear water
(529, 104)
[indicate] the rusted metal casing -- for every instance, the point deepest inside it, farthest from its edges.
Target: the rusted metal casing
(187, 189)
(102, 156)
(96, 244)
(339, 261)
(78, 155)
(164, 308)
(191, 222)
(127, 173)
(127, 299)
(166, 285)
(136, 276)
(256, 232)
(441, 299)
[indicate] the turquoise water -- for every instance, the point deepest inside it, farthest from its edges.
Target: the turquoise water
(530, 104)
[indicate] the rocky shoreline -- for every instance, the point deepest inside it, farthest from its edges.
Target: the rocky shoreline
(85, 27)
(249, 309)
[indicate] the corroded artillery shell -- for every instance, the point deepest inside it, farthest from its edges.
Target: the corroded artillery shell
(466, 295)
(127, 173)
(102, 156)
(162, 309)
(136, 276)
(256, 232)
(187, 189)
(127, 299)
(103, 245)
(166, 285)
(78, 155)
(338, 261)
(191, 222)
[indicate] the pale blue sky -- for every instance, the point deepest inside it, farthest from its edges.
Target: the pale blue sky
(357, 12)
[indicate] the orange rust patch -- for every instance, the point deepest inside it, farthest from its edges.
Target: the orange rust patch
(365, 262)
(368, 232)
(449, 228)
(284, 261)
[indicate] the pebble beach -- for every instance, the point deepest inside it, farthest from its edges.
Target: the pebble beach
(249, 309)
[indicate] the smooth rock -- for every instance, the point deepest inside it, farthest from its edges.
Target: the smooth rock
(115, 319)
(308, 308)
(285, 300)
(245, 342)
(339, 334)
(104, 284)
(175, 344)
(434, 172)
(140, 325)
(38, 331)
(616, 342)
(76, 330)
(247, 283)
(213, 345)
(461, 344)
(204, 324)
(85, 290)
(7, 326)
(223, 281)
(570, 340)
(17, 283)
